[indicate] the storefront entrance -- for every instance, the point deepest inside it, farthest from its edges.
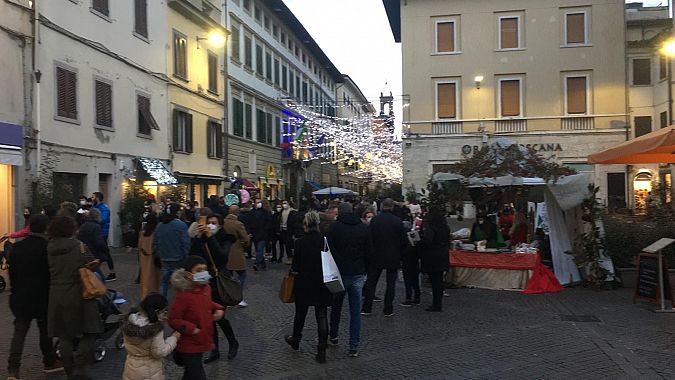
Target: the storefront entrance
(6, 199)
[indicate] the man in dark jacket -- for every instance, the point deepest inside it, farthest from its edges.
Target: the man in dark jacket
(388, 236)
(260, 230)
(349, 243)
(29, 276)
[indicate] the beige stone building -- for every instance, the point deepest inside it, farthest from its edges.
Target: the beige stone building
(550, 76)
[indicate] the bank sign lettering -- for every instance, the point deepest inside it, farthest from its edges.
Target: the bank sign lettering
(555, 147)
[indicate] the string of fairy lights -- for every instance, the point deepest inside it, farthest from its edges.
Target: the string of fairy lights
(363, 146)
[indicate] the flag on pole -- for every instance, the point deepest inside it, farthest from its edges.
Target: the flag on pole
(300, 133)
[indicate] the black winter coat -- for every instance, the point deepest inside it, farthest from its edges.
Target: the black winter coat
(29, 275)
(435, 252)
(260, 224)
(309, 287)
(349, 243)
(91, 235)
(389, 241)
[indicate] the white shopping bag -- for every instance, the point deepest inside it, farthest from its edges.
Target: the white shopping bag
(331, 275)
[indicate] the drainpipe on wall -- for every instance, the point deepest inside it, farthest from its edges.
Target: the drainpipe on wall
(38, 75)
(226, 126)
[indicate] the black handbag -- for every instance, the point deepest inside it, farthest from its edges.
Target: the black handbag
(229, 289)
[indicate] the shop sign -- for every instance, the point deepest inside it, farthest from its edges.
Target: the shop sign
(548, 147)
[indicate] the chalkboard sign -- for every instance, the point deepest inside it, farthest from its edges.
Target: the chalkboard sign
(648, 278)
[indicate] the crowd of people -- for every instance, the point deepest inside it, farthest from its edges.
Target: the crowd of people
(183, 246)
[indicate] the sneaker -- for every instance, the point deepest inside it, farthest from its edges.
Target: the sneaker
(365, 312)
(406, 303)
(333, 341)
(377, 299)
(388, 313)
(353, 353)
(111, 277)
(242, 304)
(55, 367)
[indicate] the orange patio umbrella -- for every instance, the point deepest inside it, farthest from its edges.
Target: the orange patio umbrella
(657, 147)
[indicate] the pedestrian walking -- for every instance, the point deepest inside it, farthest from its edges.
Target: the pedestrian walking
(275, 232)
(171, 243)
(435, 254)
(327, 218)
(309, 287)
(90, 234)
(29, 276)
(260, 231)
(388, 236)
(236, 260)
(148, 259)
(144, 339)
(349, 243)
(98, 203)
(70, 317)
(192, 314)
(287, 228)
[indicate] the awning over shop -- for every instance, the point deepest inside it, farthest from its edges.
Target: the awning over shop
(11, 142)
(157, 171)
(657, 147)
(191, 177)
(248, 185)
(314, 185)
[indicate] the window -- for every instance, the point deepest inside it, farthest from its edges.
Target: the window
(643, 125)
(510, 104)
(642, 72)
(445, 37)
(446, 100)
(249, 121)
(238, 117)
(268, 63)
(213, 72)
(141, 17)
(284, 78)
(509, 32)
(256, 13)
(663, 67)
(103, 93)
(66, 93)
(260, 126)
(146, 122)
(234, 42)
(283, 38)
(247, 5)
(179, 55)
(276, 72)
(266, 22)
(182, 131)
(291, 82)
(577, 94)
(304, 92)
(664, 119)
(275, 31)
(269, 128)
(214, 139)
(101, 6)
(248, 53)
(297, 86)
(276, 129)
(259, 59)
(304, 58)
(575, 28)
(297, 51)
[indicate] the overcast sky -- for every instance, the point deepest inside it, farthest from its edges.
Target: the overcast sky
(355, 35)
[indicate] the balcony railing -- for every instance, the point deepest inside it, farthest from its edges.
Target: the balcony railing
(576, 123)
(447, 128)
(512, 125)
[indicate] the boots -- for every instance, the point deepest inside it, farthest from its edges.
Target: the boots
(293, 341)
(232, 353)
(321, 353)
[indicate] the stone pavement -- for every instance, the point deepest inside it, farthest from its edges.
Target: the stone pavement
(481, 334)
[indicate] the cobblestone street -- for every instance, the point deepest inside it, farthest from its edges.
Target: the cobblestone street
(480, 334)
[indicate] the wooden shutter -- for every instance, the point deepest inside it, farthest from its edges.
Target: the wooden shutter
(268, 128)
(643, 125)
(509, 33)
(446, 102)
(642, 71)
(664, 119)
(141, 17)
(66, 93)
(576, 95)
(188, 132)
(260, 126)
(576, 28)
(663, 67)
(219, 140)
(176, 121)
(445, 37)
(101, 6)
(510, 97)
(234, 42)
(249, 121)
(248, 54)
(213, 73)
(276, 72)
(268, 65)
(103, 93)
(180, 55)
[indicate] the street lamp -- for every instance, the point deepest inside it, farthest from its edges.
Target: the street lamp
(216, 39)
(478, 79)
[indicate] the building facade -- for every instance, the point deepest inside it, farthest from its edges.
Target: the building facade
(551, 77)
(196, 56)
(101, 102)
(16, 43)
(276, 72)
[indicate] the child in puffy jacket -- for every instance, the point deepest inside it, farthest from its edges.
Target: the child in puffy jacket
(144, 339)
(192, 314)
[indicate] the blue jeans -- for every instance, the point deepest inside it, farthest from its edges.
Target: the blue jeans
(353, 288)
(260, 253)
(168, 267)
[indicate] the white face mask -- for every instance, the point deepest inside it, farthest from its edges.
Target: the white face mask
(213, 227)
(82, 203)
(286, 206)
(258, 205)
(278, 209)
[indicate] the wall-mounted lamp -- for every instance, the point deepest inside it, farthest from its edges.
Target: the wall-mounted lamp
(215, 39)
(478, 79)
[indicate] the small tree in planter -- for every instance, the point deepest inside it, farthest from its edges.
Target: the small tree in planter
(588, 248)
(131, 213)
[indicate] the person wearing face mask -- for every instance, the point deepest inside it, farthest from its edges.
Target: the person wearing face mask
(144, 340)
(485, 229)
(148, 259)
(236, 262)
(260, 231)
(367, 217)
(286, 223)
(192, 314)
(274, 234)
